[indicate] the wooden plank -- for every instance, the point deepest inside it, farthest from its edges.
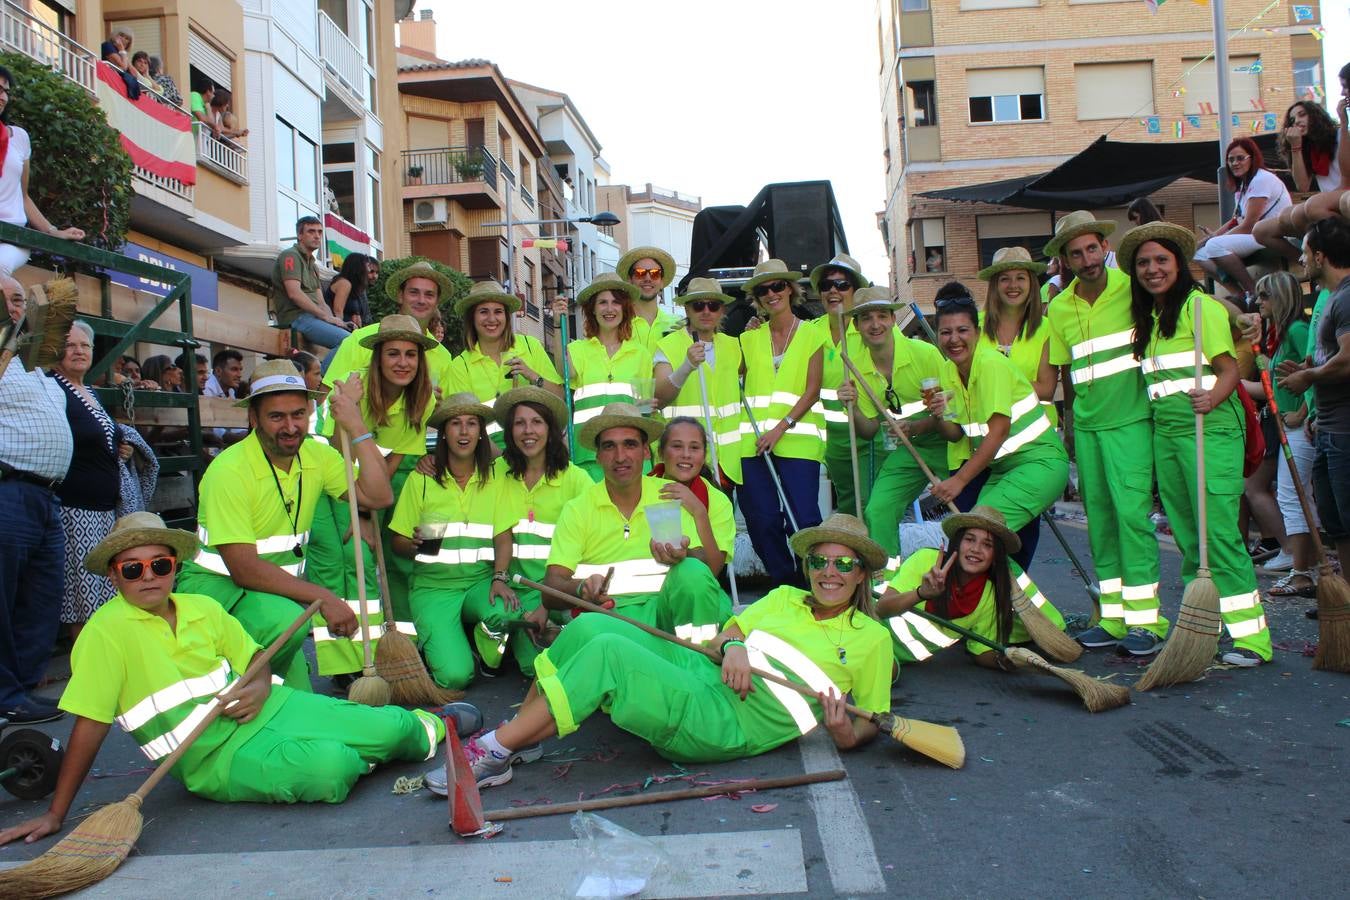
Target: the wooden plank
(216, 412)
(218, 328)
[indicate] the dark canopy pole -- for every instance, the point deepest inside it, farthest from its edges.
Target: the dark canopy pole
(1225, 107)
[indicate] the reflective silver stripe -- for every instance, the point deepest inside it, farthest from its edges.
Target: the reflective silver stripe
(211, 562)
(1109, 586)
(761, 645)
(912, 409)
(1139, 591)
(1238, 602)
(529, 551)
(166, 743)
(916, 647)
(1181, 385)
(580, 416)
(803, 429)
(432, 743)
(281, 543)
(693, 412)
(1141, 616)
(175, 695)
(1093, 371)
(603, 389)
(464, 530)
(975, 429)
(633, 576)
(493, 429)
(929, 631)
(1024, 406)
(1183, 360)
(699, 634)
(827, 395)
(458, 556)
(534, 527)
(1113, 610)
(838, 417)
(1025, 436)
(1246, 629)
(1112, 341)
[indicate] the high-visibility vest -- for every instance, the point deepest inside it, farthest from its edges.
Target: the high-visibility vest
(599, 379)
(772, 394)
(724, 395)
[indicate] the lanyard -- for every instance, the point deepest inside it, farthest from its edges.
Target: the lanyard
(298, 550)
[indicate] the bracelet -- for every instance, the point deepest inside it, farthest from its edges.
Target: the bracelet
(580, 584)
(501, 577)
(730, 642)
(363, 437)
(539, 381)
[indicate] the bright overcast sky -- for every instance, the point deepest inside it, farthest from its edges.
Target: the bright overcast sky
(713, 98)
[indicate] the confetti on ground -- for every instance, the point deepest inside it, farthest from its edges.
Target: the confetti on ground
(409, 784)
(503, 879)
(764, 807)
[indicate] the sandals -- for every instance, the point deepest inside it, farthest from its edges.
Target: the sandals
(1286, 586)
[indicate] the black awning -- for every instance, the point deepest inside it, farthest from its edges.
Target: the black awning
(1106, 173)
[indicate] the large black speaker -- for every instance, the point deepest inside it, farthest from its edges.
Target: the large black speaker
(802, 224)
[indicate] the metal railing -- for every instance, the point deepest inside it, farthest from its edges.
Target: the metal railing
(24, 33)
(172, 185)
(449, 165)
(226, 159)
(342, 57)
(526, 197)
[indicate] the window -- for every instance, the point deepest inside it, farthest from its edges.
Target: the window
(913, 5)
(997, 4)
(297, 160)
(1307, 74)
(1029, 230)
(372, 223)
(1006, 95)
(59, 15)
(527, 288)
(145, 35)
(1114, 90)
(1202, 87)
(207, 59)
(928, 246)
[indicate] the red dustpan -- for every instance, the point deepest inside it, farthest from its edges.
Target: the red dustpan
(466, 807)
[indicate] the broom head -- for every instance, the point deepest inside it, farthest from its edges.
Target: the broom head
(1097, 695)
(400, 665)
(86, 856)
(1056, 644)
(50, 310)
(1194, 640)
(369, 690)
(1333, 623)
(940, 742)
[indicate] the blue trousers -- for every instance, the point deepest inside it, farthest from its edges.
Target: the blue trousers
(765, 518)
(32, 575)
(320, 332)
(1030, 533)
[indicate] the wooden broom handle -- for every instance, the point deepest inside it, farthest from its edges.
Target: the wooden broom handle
(1201, 501)
(852, 430)
(358, 555)
(223, 699)
(1299, 489)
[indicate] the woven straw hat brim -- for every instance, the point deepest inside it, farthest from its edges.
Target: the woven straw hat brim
(464, 304)
(183, 544)
(954, 523)
(590, 432)
(449, 410)
(1100, 227)
(854, 539)
(395, 282)
(705, 295)
(630, 259)
(854, 275)
(609, 283)
(371, 341)
(507, 402)
(278, 376)
(1140, 234)
(756, 280)
(870, 305)
(1034, 268)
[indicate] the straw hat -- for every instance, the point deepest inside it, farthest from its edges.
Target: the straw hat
(630, 259)
(988, 518)
(769, 270)
(841, 261)
(1074, 224)
(1006, 258)
(620, 415)
(607, 281)
(394, 283)
(841, 528)
(1136, 236)
(462, 404)
(483, 292)
(705, 289)
(139, 529)
(275, 376)
(398, 328)
(506, 404)
(874, 305)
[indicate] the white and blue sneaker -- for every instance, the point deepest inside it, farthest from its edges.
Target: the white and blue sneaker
(489, 769)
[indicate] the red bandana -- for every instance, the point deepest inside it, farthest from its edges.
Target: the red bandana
(963, 598)
(698, 485)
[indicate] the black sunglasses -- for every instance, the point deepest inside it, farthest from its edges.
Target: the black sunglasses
(132, 570)
(705, 305)
(762, 290)
(839, 284)
(946, 302)
(892, 401)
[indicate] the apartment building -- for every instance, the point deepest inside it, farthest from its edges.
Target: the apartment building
(654, 216)
(978, 91)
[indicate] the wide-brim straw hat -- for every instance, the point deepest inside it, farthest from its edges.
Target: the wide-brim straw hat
(841, 528)
(988, 518)
(398, 327)
(846, 264)
(704, 289)
(275, 376)
(462, 404)
(1076, 223)
(875, 304)
(1152, 231)
(607, 281)
(630, 259)
(394, 283)
(139, 529)
(505, 406)
(485, 292)
(620, 415)
(1006, 258)
(769, 270)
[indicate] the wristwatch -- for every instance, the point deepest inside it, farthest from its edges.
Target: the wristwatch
(539, 381)
(500, 576)
(791, 422)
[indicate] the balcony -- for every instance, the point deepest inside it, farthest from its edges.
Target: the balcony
(343, 62)
(922, 144)
(527, 198)
(226, 158)
(467, 175)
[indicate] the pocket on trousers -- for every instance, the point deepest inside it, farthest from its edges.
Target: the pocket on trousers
(1224, 485)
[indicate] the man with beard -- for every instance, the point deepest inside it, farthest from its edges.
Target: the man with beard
(650, 270)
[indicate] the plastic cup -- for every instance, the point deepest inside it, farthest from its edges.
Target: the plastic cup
(663, 519)
(929, 387)
(645, 389)
(431, 535)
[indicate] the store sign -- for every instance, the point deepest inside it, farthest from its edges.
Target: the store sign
(203, 289)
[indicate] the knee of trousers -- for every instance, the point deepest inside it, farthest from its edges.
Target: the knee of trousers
(449, 658)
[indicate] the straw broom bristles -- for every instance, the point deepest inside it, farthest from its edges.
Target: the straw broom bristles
(370, 689)
(939, 742)
(1097, 695)
(1333, 622)
(1194, 638)
(1056, 644)
(39, 339)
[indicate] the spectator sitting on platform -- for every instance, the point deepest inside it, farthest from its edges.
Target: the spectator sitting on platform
(162, 372)
(198, 361)
(199, 104)
(296, 287)
(227, 370)
(1259, 196)
(167, 86)
(346, 293)
(115, 51)
(1142, 211)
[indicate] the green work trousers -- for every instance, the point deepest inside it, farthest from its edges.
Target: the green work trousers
(398, 569)
(1023, 487)
(1115, 479)
(691, 604)
(495, 627)
(839, 467)
(264, 616)
(313, 749)
(668, 695)
(437, 612)
(898, 485)
(1229, 563)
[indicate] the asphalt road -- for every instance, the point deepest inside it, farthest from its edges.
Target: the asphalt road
(1235, 784)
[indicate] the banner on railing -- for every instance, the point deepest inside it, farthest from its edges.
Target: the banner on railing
(344, 238)
(156, 136)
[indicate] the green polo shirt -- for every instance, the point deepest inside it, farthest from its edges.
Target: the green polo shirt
(997, 387)
(488, 379)
(913, 362)
(469, 518)
(398, 435)
(532, 513)
(649, 334)
(1169, 369)
(293, 264)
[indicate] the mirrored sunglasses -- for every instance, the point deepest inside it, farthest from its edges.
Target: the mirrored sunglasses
(842, 564)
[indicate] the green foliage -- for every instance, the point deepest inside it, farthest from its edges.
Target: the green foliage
(79, 174)
(381, 305)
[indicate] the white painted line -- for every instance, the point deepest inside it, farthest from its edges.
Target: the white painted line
(737, 863)
(850, 855)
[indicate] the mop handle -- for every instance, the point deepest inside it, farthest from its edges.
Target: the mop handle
(708, 424)
(852, 430)
(567, 381)
(358, 557)
(923, 320)
(1068, 550)
(223, 699)
(1201, 501)
(773, 470)
(964, 632)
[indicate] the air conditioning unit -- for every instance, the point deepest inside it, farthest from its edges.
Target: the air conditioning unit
(431, 211)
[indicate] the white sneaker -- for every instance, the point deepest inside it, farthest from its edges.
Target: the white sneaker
(1281, 562)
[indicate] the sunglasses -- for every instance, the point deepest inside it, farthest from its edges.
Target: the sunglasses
(838, 284)
(705, 305)
(892, 401)
(1234, 160)
(133, 569)
(653, 272)
(946, 302)
(842, 564)
(776, 287)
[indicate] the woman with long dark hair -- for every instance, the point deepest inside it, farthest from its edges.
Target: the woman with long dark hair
(1259, 196)
(1165, 301)
(1313, 145)
(346, 293)
(971, 584)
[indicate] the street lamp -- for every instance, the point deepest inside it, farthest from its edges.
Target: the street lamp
(605, 219)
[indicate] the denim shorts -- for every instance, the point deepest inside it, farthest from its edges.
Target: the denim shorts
(1331, 483)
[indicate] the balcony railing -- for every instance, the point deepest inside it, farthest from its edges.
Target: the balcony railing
(449, 165)
(34, 38)
(226, 159)
(526, 197)
(341, 57)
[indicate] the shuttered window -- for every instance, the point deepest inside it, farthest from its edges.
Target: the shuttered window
(1114, 90)
(205, 58)
(145, 34)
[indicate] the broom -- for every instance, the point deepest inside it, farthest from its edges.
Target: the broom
(940, 742)
(1097, 695)
(852, 430)
(39, 338)
(1056, 644)
(396, 656)
(1194, 640)
(370, 689)
(95, 849)
(1333, 593)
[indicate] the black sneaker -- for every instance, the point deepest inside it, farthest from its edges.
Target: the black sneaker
(32, 712)
(1096, 637)
(1140, 642)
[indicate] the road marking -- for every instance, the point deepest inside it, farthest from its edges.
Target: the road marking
(850, 855)
(698, 865)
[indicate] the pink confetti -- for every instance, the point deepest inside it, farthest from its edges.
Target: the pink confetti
(764, 807)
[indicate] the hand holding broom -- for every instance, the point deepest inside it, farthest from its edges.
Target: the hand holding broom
(370, 689)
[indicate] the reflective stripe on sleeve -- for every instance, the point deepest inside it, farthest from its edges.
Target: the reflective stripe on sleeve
(1181, 385)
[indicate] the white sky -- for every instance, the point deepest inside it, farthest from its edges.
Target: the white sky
(712, 98)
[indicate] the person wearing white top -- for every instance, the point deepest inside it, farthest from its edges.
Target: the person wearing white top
(1259, 195)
